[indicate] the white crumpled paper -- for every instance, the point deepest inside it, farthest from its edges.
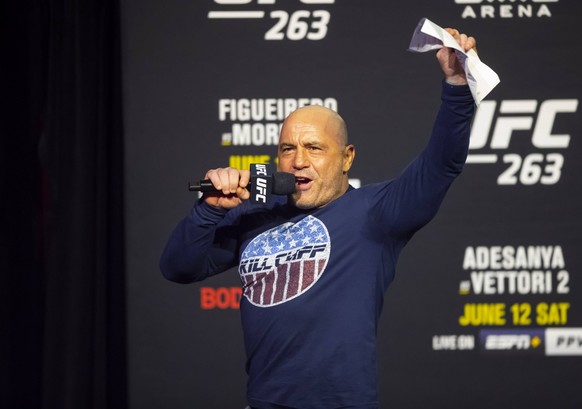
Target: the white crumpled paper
(429, 36)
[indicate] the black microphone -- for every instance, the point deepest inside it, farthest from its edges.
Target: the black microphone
(263, 183)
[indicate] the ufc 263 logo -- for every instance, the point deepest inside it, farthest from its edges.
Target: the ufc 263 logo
(497, 125)
(308, 24)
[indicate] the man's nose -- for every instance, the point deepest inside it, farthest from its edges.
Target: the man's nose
(301, 159)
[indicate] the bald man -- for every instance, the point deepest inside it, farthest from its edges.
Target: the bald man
(315, 265)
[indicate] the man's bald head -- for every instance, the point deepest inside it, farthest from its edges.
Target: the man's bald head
(328, 119)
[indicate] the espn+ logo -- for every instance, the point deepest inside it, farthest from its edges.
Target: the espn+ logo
(295, 25)
(511, 123)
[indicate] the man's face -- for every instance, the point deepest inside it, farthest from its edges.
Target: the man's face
(312, 147)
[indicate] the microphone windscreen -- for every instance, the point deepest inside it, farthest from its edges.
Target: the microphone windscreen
(283, 183)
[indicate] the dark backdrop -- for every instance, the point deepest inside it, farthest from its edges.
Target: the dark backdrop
(183, 68)
(94, 173)
(62, 222)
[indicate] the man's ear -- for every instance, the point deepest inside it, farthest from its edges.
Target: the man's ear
(349, 155)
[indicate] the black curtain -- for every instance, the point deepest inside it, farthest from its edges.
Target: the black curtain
(62, 226)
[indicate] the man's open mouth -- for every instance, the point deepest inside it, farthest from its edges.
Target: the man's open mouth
(302, 182)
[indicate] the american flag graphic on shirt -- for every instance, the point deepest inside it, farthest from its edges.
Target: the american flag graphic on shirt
(282, 263)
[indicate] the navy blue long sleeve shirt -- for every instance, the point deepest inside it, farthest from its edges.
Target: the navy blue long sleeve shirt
(314, 280)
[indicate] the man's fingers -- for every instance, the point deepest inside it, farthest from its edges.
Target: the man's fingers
(466, 42)
(233, 177)
(228, 180)
(454, 32)
(463, 41)
(245, 176)
(243, 193)
(472, 43)
(213, 176)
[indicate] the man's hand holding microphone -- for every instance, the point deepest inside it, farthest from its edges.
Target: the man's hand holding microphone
(229, 187)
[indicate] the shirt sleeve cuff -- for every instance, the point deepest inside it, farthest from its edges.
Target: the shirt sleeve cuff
(457, 93)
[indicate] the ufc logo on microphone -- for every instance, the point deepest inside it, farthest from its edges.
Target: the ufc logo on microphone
(261, 169)
(261, 196)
